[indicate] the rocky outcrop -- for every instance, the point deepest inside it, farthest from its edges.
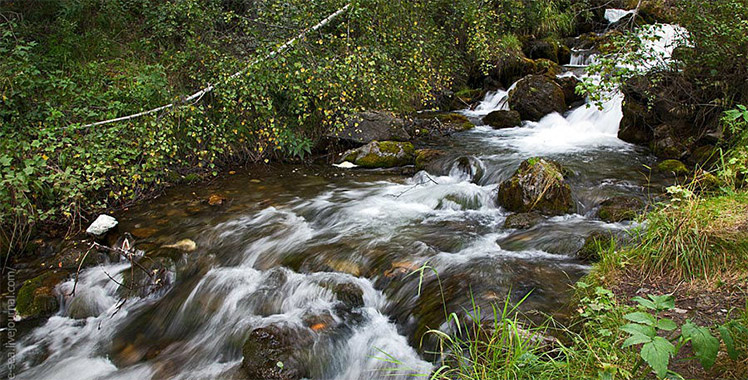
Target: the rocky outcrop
(538, 185)
(510, 69)
(536, 96)
(568, 85)
(273, 352)
(369, 126)
(382, 154)
(503, 119)
(619, 209)
(522, 221)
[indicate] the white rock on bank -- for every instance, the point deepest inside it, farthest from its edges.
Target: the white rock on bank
(103, 224)
(345, 165)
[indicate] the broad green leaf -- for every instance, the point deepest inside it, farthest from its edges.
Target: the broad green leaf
(636, 339)
(705, 345)
(645, 302)
(729, 342)
(657, 354)
(665, 302)
(666, 324)
(641, 317)
(634, 328)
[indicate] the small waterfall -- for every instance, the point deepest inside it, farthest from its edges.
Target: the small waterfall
(582, 57)
(493, 101)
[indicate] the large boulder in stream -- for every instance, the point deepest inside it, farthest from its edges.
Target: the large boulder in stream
(274, 352)
(536, 96)
(503, 119)
(538, 185)
(369, 126)
(382, 154)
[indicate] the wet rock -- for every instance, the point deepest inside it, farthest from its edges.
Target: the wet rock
(503, 119)
(455, 122)
(536, 96)
(274, 352)
(538, 185)
(184, 245)
(350, 295)
(102, 225)
(344, 266)
(37, 297)
(634, 127)
(619, 209)
(522, 221)
(569, 86)
(469, 167)
(673, 167)
(425, 157)
(401, 268)
(593, 243)
(382, 154)
(370, 126)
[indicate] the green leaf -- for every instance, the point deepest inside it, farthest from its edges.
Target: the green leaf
(636, 339)
(634, 328)
(641, 317)
(729, 342)
(665, 302)
(666, 324)
(657, 354)
(645, 302)
(705, 345)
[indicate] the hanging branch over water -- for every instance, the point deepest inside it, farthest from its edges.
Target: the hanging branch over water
(198, 95)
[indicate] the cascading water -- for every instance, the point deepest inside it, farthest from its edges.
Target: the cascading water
(326, 253)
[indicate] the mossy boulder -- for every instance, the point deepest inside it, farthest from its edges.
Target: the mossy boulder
(382, 154)
(542, 49)
(593, 244)
(512, 67)
(705, 156)
(522, 221)
(547, 67)
(455, 122)
(673, 167)
(619, 209)
(538, 185)
(37, 298)
(424, 157)
(503, 119)
(274, 352)
(536, 96)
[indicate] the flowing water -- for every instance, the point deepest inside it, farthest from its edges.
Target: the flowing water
(287, 237)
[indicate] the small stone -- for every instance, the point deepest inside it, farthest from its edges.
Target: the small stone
(680, 311)
(103, 224)
(144, 232)
(186, 245)
(345, 165)
(255, 180)
(522, 221)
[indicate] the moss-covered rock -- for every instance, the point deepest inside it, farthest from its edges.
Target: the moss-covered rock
(536, 96)
(382, 154)
(424, 157)
(547, 67)
(542, 49)
(503, 119)
(619, 209)
(569, 85)
(593, 244)
(538, 185)
(369, 126)
(522, 221)
(511, 68)
(36, 297)
(705, 156)
(673, 167)
(455, 121)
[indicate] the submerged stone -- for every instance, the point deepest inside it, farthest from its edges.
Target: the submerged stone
(522, 221)
(274, 352)
(185, 245)
(538, 185)
(37, 297)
